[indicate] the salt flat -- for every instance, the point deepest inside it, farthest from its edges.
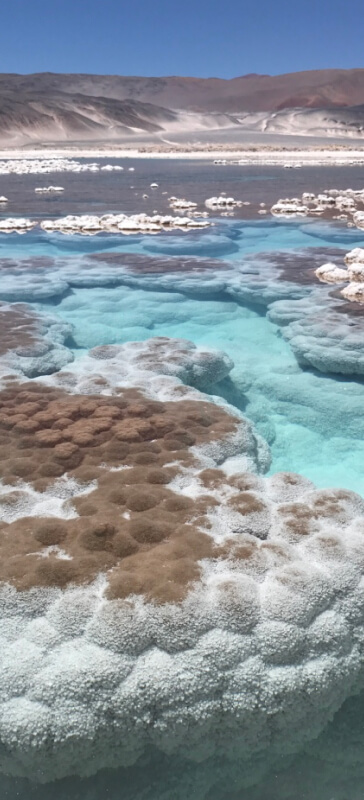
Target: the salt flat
(255, 154)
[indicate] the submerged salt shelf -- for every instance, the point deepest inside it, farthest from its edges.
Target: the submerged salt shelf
(209, 657)
(235, 310)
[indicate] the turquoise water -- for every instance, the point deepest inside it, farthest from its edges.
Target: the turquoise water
(313, 422)
(290, 407)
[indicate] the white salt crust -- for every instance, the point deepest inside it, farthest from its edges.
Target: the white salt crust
(121, 224)
(90, 225)
(256, 659)
(45, 166)
(253, 663)
(353, 276)
(250, 667)
(162, 367)
(53, 502)
(345, 201)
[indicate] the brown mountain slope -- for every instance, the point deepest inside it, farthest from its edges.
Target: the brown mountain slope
(313, 89)
(51, 108)
(28, 115)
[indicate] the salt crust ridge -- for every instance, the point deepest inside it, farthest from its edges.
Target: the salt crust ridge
(345, 201)
(45, 166)
(120, 223)
(353, 276)
(329, 767)
(88, 225)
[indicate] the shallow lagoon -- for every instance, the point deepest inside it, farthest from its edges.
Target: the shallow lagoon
(310, 420)
(313, 423)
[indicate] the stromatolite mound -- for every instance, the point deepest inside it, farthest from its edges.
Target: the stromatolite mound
(121, 455)
(179, 358)
(32, 344)
(149, 602)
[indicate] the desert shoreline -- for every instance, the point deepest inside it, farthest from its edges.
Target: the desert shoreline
(255, 155)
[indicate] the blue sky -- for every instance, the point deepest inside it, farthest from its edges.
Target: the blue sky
(223, 38)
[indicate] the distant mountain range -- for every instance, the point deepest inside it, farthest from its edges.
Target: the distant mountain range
(47, 107)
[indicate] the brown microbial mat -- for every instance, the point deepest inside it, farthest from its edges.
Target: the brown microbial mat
(155, 265)
(19, 328)
(131, 522)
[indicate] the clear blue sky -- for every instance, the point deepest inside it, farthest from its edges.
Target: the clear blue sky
(222, 38)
